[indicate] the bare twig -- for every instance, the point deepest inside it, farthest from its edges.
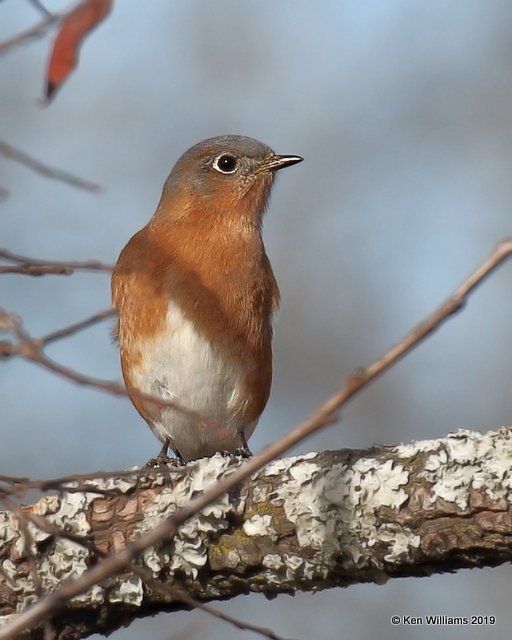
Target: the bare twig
(60, 266)
(19, 487)
(32, 270)
(12, 153)
(77, 482)
(40, 7)
(36, 31)
(75, 327)
(325, 414)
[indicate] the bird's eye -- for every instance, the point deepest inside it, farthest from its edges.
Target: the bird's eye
(226, 163)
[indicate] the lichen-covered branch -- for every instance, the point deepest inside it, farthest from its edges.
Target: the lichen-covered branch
(302, 523)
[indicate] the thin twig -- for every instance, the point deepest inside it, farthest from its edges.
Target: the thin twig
(325, 414)
(36, 31)
(20, 485)
(33, 270)
(67, 266)
(40, 7)
(75, 327)
(12, 153)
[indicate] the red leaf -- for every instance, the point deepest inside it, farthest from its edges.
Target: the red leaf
(73, 29)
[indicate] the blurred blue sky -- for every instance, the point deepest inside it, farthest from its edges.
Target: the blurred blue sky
(402, 111)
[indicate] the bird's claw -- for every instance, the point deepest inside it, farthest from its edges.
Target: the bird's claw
(239, 452)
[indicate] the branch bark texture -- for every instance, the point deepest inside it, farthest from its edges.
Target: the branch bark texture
(302, 523)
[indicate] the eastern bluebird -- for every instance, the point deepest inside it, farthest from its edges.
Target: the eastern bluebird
(195, 294)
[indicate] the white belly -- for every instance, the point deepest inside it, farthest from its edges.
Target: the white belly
(182, 365)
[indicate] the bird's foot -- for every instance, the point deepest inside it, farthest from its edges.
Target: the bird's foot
(243, 452)
(163, 458)
(240, 452)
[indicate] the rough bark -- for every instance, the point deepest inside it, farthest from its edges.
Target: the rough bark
(302, 523)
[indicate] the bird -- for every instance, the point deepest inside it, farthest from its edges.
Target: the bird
(195, 297)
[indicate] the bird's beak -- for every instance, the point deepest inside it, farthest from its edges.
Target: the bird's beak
(280, 162)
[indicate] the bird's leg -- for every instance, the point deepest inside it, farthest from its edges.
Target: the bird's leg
(179, 460)
(243, 451)
(163, 457)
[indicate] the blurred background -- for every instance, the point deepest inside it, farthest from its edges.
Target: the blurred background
(402, 111)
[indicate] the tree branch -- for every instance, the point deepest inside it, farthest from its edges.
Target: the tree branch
(304, 523)
(23, 158)
(57, 266)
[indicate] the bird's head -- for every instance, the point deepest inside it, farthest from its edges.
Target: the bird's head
(223, 176)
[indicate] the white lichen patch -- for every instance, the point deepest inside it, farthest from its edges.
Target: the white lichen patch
(232, 558)
(435, 461)
(272, 561)
(410, 450)
(128, 591)
(119, 484)
(259, 493)
(309, 570)
(8, 526)
(187, 550)
(37, 534)
(381, 482)
(334, 511)
(260, 525)
(67, 511)
(461, 446)
(189, 555)
(11, 574)
(293, 562)
(305, 508)
(494, 456)
(274, 565)
(152, 561)
(207, 471)
(467, 460)
(47, 505)
(401, 543)
(303, 471)
(452, 489)
(66, 561)
(280, 465)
